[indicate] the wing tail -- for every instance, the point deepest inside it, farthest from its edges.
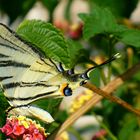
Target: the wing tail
(32, 111)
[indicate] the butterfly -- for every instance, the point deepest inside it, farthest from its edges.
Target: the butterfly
(26, 75)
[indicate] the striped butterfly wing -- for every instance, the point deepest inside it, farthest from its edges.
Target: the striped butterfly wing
(35, 83)
(23, 71)
(14, 59)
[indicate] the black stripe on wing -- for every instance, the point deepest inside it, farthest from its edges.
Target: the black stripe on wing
(45, 62)
(3, 56)
(24, 84)
(8, 63)
(34, 49)
(30, 98)
(5, 77)
(41, 71)
(13, 107)
(12, 47)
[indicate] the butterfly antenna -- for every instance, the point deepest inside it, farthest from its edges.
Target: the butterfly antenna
(85, 75)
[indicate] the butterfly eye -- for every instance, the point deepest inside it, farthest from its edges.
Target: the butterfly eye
(67, 91)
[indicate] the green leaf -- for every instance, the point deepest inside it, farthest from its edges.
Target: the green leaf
(129, 36)
(128, 129)
(100, 21)
(3, 106)
(95, 77)
(46, 38)
(136, 77)
(50, 105)
(120, 8)
(75, 52)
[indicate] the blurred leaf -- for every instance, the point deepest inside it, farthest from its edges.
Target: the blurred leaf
(120, 8)
(100, 21)
(75, 51)
(50, 105)
(47, 38)
(128, 128)
(3, 106)
(128, 36)
(50, 4)
(61, 116)
(137, 77)
(16, 8)
(52, 127)
(95, 77)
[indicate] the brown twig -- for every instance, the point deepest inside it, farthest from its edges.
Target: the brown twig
(108, 89)
(112, 98)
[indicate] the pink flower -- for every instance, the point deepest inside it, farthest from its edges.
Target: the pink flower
(37, 135)
(99, 134)
(7, 129)
(27, 137)
(31, 128)
(18, 129)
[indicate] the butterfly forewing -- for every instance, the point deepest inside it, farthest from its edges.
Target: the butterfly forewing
(14, 60)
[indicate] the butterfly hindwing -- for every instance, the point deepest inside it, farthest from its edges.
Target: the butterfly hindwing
(33, 111)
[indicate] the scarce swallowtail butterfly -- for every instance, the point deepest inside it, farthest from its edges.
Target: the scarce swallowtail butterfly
(26, 75)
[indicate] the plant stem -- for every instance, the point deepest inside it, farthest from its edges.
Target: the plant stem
(51, 16)
(110, 45)
(67, 10)
(130, 57)
(103, 77)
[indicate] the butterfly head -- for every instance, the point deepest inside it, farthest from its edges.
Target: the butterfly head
(71, 82)
(67, 87)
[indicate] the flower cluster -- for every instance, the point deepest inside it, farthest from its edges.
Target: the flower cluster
(100, 134)
(73, 31)
(80, 100)
(22, 128)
